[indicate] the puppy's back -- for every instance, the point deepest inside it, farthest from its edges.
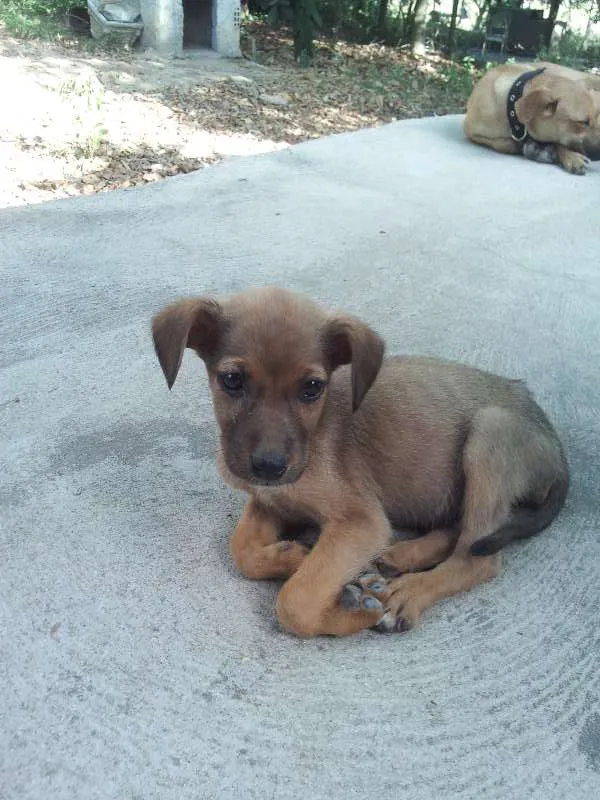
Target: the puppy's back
(409, 434)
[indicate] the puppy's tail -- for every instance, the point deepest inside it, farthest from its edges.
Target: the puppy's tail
(525, 521)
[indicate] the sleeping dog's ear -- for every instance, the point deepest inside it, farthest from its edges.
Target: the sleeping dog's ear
(536, 103)
(196, 323)
(347, 340)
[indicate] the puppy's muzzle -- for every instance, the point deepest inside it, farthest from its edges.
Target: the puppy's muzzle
(268, 467)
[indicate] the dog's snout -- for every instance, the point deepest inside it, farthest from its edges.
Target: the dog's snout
(268, 466)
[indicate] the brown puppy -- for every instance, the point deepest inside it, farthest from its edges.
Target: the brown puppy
(559, 108)
(318, 429)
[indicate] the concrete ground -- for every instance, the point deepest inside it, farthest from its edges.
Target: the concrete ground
(135, 662)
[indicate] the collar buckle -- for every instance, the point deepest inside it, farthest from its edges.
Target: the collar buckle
(521, 138)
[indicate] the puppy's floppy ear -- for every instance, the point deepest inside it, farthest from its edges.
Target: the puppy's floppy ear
(536, 103)
(348, 340)
(196, 323)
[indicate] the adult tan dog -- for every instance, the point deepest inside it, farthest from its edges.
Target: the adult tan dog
(320, 430)
(544, 111)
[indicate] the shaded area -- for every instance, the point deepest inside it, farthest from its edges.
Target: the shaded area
(90, 121)
(349, 87)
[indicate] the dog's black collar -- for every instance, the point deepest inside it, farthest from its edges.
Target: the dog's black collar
(518, 131)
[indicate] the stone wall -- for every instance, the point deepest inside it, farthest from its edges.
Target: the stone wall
(164, 26)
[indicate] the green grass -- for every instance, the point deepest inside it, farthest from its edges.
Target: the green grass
(29, 19)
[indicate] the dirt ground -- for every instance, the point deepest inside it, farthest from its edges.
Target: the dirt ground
(79, 120)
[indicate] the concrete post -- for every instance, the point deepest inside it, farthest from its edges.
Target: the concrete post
(163, 26)
(226, 27)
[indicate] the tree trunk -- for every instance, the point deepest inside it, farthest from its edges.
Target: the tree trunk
(407, 25)
(417, 33)
(483, 13)
(452, 30)
(382, 12)
(590, 21)
(554, 9)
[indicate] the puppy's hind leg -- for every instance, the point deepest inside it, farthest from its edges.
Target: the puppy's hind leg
(541, 487)
(409, 555)
(496, 475)
(412, 555)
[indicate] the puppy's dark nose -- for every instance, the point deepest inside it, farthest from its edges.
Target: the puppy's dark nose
(268, 466)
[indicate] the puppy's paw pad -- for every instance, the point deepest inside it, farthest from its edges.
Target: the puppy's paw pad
(371, 603)
(373, 582)
(351, 596)
(354, 598)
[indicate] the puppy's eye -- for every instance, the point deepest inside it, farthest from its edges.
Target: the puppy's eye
(232, 382)
(311, 390)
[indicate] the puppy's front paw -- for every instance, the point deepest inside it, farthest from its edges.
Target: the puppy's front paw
(573, 162)
(404, 606)
(277, 560)
(368, 592)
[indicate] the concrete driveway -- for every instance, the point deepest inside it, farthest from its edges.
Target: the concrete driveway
(135, 662)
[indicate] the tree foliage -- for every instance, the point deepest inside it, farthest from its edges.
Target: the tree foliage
(398, 22)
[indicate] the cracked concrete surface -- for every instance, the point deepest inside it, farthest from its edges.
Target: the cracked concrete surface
(135, 662)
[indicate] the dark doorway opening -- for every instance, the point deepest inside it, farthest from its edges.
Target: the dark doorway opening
(197, 23)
